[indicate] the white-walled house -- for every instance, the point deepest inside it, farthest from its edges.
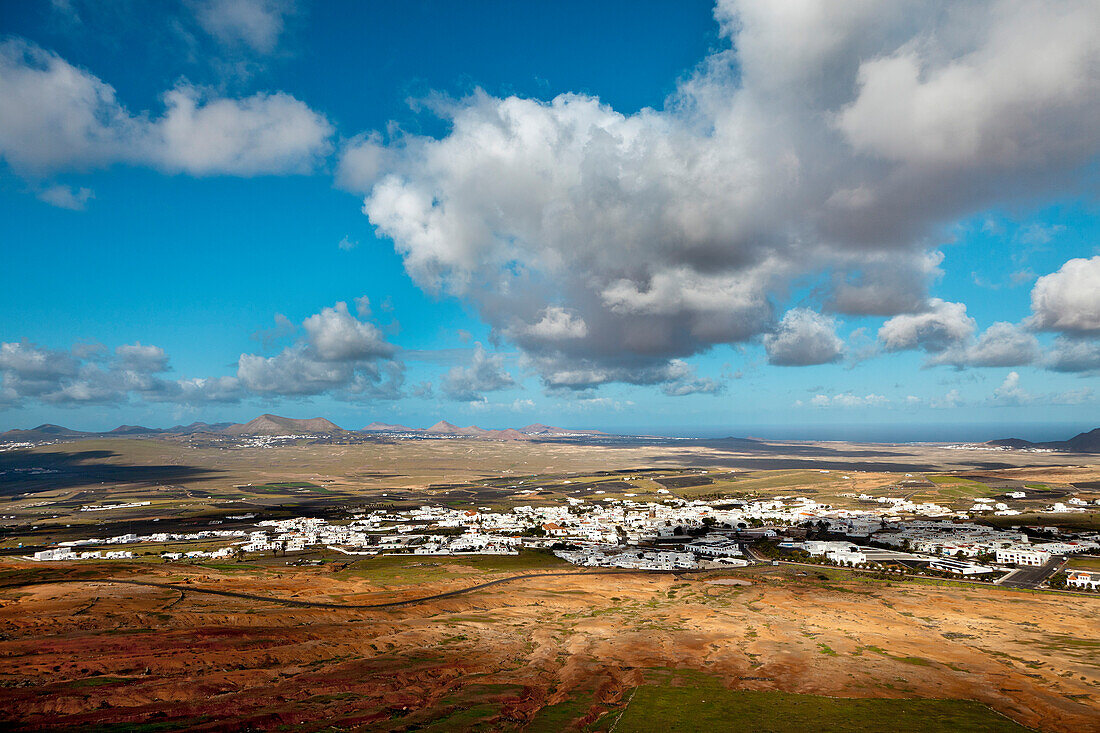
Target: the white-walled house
(1085, 579)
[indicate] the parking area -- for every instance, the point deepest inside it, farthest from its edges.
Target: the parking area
(1032, 577)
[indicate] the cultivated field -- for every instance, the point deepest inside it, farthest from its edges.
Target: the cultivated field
(149, 645)
(42, 490)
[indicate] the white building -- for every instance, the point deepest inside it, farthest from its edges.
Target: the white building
(1086, 579)
(1021, 556)
(61, 553)
(959, 567)
(844, 553)
(715, 547)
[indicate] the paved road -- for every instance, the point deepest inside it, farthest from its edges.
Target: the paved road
(1032, 577)
(753, 554)
(1044, 571)
(1030, 580)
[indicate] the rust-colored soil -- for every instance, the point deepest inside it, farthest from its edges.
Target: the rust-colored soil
(79, 655)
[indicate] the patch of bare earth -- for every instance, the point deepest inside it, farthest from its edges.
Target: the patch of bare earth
(96, 653)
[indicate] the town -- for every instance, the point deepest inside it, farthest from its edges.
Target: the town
(671, 534)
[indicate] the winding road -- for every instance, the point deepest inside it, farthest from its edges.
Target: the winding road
(346, 606)
(295, 603)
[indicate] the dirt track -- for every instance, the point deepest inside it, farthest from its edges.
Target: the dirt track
(320, 604)
(143, 654)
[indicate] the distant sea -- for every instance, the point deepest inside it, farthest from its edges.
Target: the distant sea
(883, 433)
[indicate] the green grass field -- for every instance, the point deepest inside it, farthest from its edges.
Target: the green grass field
(752, 482)
(409, 569)
(942, 480)
(560, 717)
(952, 487)
(684, 702)
(1083, 563)
(1081, 522)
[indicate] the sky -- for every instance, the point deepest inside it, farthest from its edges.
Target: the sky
(812, 219)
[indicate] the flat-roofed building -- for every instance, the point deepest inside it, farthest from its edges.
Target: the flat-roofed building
(1021, 556)
(1086, 579)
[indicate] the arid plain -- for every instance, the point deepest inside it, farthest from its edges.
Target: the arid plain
(148, 645)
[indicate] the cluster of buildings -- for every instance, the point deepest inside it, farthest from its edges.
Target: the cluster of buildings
(668, 534)
(105, 507)
(67, 551)
(1012, 546)
(841, 553)
(629, 558)
(899, 506)
(224, 552)
(270, 441)
(711, 550)
(960, 548)
(18, 446)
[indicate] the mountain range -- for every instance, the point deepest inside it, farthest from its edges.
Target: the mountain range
(537, 430)
(1081, 443)
(268, 424)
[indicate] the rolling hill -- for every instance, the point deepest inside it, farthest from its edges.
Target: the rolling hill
(42, 432)
(530, 432)
(274, 425)
(269, 424)
(382, 427)
(1081, 443)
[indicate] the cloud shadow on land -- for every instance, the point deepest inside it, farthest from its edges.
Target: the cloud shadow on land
(23, 472)
(764, 456)
(739, 460)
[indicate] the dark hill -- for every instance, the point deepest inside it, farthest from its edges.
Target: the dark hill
(42, 432)
(1081, 443)
(1085, 442)
(1011, 443)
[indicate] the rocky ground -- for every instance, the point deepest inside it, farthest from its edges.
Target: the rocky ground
(93, 653)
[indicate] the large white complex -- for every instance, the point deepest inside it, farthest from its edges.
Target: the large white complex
(1021, 556)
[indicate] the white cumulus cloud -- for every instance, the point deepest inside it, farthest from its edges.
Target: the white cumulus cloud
(58, 117)
(941, 326)
(1068, 300)
(1001, 345)
(804, 338)
(832, 141)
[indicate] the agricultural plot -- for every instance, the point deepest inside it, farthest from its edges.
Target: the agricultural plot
(1084, 563)
(690, 702)
(190, 486)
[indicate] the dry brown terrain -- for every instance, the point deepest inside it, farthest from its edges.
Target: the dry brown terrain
(94, 653)
(44, 488)
(540, 654)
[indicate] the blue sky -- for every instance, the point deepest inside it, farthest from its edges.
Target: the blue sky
(827, 220)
